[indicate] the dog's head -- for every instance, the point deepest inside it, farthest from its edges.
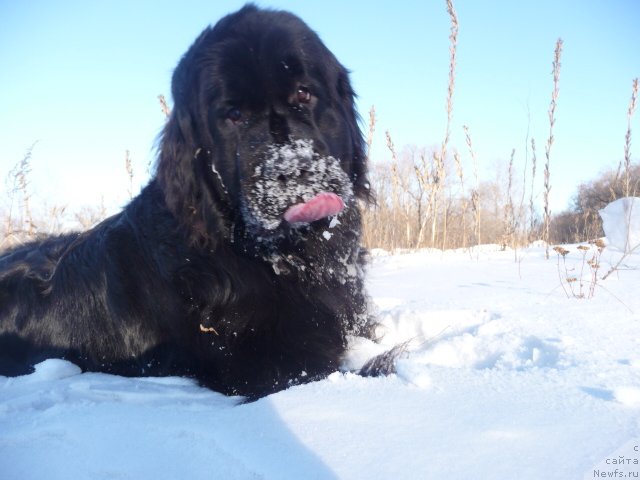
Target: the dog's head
(264, 134)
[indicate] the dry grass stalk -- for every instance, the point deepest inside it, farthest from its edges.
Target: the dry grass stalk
(372, 129)
(440, 159)
(594, 264)
(627, 143)
(532, 219)
(392, 149)
(573, 283)
(465, 201)
(395, 178)
(614, 184)
(371, 211)
(445, 221)
(129, 167)
(547, 212)
(438, 185)
(509, 212)
(552, 121)
(475, 194)
(562, 252)
(525, 233)
(453, 39)
(164, 106)
(425, 183)
(20, 176)
(23, 182)
(627, 190)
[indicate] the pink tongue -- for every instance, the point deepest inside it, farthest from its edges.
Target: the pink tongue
(321, 206)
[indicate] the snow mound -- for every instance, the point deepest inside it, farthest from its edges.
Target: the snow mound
(621, 224)
(54, 369)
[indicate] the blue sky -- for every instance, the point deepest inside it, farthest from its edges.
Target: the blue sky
(81, 78)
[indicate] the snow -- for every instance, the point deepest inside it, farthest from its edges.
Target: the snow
(504, 376)
(621, 223)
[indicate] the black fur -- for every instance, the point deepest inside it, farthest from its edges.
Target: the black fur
(191, 278)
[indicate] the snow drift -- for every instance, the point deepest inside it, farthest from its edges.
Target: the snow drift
(504, 377)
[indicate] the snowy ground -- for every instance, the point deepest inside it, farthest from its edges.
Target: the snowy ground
(505, 378)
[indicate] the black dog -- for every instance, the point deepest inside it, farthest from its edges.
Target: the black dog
(240, 263)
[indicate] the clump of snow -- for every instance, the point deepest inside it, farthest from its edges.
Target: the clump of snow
(503, 377)
(292, 174)
(628, 396)
(621, 224)
(54, 369)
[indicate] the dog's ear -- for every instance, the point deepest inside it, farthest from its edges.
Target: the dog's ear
(183, 174)
(194, 195)
(359, 170)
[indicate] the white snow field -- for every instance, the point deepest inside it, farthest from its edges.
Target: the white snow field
(506, 377)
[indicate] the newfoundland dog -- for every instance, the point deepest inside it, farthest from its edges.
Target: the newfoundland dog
(240, 263)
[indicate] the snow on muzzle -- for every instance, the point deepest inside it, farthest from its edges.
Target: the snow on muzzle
(294, 184)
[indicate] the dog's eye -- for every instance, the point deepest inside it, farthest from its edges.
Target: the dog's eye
(303, 94)
(234, 114)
